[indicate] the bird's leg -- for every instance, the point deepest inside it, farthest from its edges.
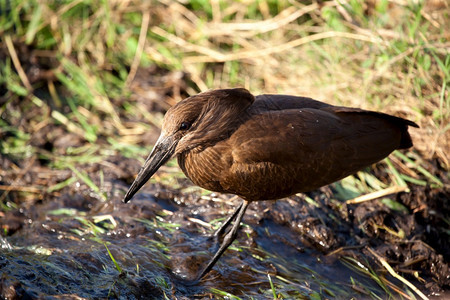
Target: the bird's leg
(225, 224)
(229, 238)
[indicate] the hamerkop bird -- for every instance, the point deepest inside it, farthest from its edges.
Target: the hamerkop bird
(268, 147)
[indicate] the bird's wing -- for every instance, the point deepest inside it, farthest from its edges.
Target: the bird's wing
(268, 102)
(299, 134)
(306, 148)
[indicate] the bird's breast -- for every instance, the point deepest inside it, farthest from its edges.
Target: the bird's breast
(207, 167)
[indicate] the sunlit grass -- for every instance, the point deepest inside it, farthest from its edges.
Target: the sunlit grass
(159, 222)
(116, 264)
(224, 294)
(365, 269)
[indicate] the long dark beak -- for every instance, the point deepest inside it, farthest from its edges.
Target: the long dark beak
(161, 153)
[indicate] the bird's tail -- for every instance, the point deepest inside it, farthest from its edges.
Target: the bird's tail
(405, 140)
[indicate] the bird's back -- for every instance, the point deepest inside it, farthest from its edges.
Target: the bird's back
(270, 102)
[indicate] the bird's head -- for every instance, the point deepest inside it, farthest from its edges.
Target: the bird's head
(194, 122)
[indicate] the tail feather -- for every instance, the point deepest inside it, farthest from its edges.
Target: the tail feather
(405, 139)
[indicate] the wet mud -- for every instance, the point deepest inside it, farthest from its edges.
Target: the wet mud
(79, 243)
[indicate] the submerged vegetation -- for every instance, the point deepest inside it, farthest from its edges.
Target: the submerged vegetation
(84, 86)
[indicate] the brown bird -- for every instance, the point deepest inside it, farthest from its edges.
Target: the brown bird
(268, 147)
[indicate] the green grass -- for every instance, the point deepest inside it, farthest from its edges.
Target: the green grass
(365, 269)
(116, 264)
(224, 294)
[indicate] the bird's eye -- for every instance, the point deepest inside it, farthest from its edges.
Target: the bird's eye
(185, 126)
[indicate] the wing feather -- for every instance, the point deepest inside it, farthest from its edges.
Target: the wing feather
(305, 149)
